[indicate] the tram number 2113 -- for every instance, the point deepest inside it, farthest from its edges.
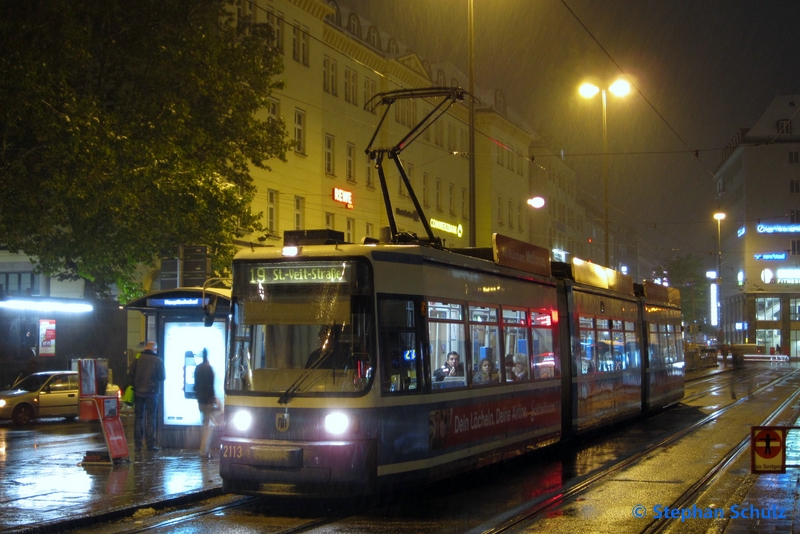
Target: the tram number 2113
(232, 451)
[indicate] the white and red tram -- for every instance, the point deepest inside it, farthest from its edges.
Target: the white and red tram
(335, 382)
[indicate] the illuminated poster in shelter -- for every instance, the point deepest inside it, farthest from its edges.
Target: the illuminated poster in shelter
(47, 337)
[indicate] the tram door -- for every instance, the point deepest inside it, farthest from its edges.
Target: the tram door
(401, 344)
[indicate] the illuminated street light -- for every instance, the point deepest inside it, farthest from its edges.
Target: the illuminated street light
(587, 90)
(717, 313)
(536, 202)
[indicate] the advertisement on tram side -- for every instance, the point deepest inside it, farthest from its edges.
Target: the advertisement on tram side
(500, 418)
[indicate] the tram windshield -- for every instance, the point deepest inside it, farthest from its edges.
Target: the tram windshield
(302, 328)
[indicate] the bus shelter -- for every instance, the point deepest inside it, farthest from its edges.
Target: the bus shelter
(185, 322)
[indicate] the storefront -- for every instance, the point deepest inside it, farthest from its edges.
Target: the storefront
(185, 322)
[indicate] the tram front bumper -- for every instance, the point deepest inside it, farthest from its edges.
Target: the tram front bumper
(281, 467)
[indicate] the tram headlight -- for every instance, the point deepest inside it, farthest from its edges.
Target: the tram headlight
(241, 421)
(337, 423)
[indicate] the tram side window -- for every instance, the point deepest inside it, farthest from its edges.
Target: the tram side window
(545, 364)
(399, 346)
(485, 335)
(605, 350)
(586, 363)
(654, 348)
(633, 357)
(447, 343)
(516, 363)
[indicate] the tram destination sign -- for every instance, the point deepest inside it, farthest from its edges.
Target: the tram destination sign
(520, 255)
(323, 273)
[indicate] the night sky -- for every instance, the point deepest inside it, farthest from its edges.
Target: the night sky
(702, 69)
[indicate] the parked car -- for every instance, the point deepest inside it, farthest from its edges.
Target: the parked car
(45, 394)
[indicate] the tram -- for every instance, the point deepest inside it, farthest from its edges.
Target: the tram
(335, 382)
(356, 368)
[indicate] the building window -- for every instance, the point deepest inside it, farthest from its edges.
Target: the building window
(273, 110)
(510, 213)
(374, 38)
(300, 42)
(463, 150)
(793, 157)
(369, 92)
(368, 173)
(354, 25)
(329, 221)
(427, 133)
(451, 138)
(326, 69)
(519, 216)
(452, 199)
(438, 133)
(299, 131)
(19, 284)
(272, 212)
(299, 216)
(424, 188)
(500, 210)
(795, 247)
(794, 186)
(499, 152)
(784, 126)
(768, 309)
(275, 22)
(794, 215)
(439, 194)
(794, 309)
(333, 77)
(368, 230)
(350, 85)
(350, 229)
(329, 152)
(350, 156)
(409, 168)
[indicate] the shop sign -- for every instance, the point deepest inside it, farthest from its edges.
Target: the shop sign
(447, 227)
(772, 256)
(778, 228)
(343, 197)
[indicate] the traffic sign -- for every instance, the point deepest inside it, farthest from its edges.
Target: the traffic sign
(767, 450)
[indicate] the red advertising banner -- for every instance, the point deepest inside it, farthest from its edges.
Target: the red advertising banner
(47, 337)
(115, 437)
(462, 424)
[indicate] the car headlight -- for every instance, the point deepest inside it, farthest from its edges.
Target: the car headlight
(242, 420)
(2, 403)
(337, 423)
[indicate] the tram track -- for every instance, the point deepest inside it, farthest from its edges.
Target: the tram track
(714, 389)
(533, 510)
(509, 520)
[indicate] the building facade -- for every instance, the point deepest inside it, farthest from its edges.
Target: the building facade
(335, 62)
(758, 184)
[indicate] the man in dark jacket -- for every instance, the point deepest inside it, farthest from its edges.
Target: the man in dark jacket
(147, 373)
(206, 400)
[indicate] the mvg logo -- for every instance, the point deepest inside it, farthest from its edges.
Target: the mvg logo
(282, 422)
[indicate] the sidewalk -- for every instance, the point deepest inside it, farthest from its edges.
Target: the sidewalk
(46, 490)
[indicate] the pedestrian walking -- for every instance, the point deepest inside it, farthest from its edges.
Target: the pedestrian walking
(146, 374)
(206, 401)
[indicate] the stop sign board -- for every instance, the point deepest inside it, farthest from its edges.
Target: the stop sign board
(767, 449)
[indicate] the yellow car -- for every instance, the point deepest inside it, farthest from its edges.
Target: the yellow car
(45, 394)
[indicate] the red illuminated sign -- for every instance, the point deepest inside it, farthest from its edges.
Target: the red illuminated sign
(343, 196)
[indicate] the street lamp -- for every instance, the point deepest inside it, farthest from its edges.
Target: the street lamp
(473, 223)
(587, 90)
(719, 216)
